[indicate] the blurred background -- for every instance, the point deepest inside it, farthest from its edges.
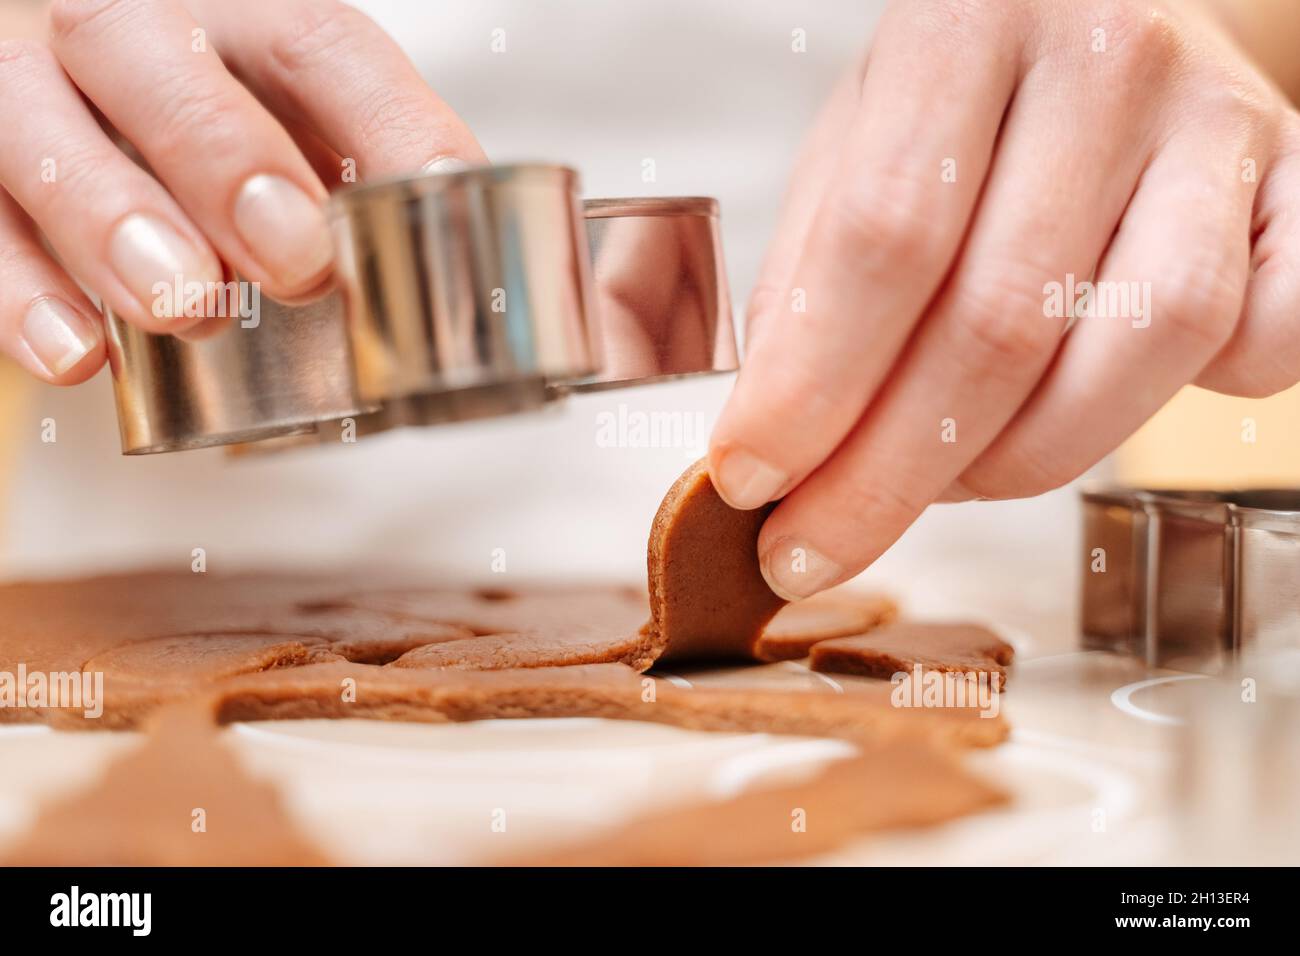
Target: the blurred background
(715, 95)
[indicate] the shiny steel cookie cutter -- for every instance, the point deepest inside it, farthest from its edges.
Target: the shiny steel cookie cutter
(462, 295)
(276, 374)
(1191, 579)
(467, 289)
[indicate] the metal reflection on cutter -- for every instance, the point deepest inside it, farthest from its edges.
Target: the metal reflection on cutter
(661, 290)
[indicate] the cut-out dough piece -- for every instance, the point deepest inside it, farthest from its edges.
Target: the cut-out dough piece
(889, 786)
(797, 627)
(708, 599)
(900, 646)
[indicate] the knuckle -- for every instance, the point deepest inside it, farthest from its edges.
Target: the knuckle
(197, 120)
(1232, 107)
(323, 33)
(872, 503)
(314, 34)
(81, 165)
(1026, 463)
(388, 117)
(70, 17)
(887, 214)
(1138, 38)
(1000, 325)
(765, 295)
(1021, 471)
(1204, 301)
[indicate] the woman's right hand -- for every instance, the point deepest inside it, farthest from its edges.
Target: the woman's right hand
(243, 111)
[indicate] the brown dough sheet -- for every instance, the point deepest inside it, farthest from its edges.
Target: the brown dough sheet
(900, 646)
(158, 636)
(612, 691)
(226, 626)
(269, 646)
(171, 633)
(599, 690)
(888, 786)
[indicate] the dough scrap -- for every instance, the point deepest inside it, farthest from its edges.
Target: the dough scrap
(141, 812)
(888, 786)
(900, 646)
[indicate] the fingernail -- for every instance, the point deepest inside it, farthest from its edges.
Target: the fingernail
(286, 229)
(58, 334)
(444, 164)
(745, 481)
(794, 571)
(146, 252)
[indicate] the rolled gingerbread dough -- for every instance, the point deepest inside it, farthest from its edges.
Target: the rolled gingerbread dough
(216, 649)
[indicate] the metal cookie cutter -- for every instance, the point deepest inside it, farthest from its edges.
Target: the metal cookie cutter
(463, 295)
(276, 377)
(471, 289)
(1191, 579)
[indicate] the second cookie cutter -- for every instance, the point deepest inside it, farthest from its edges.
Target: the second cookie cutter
(1191, 579)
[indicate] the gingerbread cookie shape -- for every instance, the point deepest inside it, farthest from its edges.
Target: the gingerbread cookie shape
(904, 645)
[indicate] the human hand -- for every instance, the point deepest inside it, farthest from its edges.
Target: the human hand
(243, 111)
(911, 332)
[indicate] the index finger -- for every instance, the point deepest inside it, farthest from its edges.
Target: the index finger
(879, 246)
